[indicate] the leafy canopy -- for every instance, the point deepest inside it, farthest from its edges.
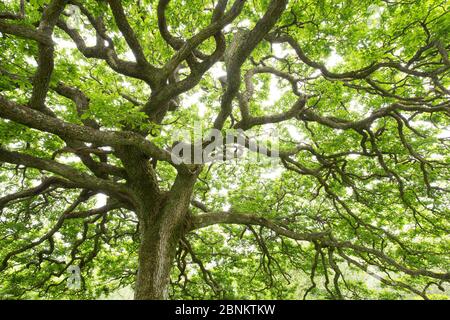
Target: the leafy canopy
(356, 206)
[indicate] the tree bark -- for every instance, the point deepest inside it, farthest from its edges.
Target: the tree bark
(156, 252)
(160, 236)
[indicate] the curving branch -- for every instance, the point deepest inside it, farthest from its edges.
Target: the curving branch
(205, 220)
(37, 120)
(129, 35)
(14, 16)
(325, 239)
(46, 184)
(42, 77)
(77, 177)
(239, 52)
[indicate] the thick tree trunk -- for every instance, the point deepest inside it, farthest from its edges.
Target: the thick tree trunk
(163, 219)
(160, 236)
(156, 252)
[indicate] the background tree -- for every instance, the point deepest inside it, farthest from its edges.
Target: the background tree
(92, 91)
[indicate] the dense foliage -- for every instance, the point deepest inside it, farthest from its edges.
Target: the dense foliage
(356, 205)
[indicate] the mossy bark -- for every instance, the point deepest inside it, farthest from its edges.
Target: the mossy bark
(160, 236)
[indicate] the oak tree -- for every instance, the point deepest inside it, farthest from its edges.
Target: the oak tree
(91, 93)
